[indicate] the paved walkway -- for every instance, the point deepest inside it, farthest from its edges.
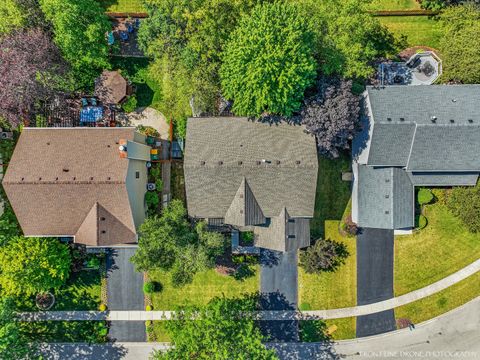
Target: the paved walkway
(267, 315)
(454, 335)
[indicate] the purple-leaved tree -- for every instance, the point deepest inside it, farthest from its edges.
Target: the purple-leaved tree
(31, 70)
(332, 116)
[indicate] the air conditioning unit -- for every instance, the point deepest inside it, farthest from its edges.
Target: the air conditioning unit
(151, 186)
(6, 135)
(149, 164)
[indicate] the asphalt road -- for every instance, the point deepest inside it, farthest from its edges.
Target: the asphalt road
(374, 279)
(279, 287)
(125, 292)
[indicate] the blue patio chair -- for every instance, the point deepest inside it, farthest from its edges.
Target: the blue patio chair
(93, 101)
(84, 102)
(137, 23)
(123, 36)
(111, 38)
(130, 28)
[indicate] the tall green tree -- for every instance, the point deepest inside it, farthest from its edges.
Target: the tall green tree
(33, 265)
(80, 28)
(11, 16)
(170, 243)
(269, 61)
(13, 344)
(222, 330)
(459, 45)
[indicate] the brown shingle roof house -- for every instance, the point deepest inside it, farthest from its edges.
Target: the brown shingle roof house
(75, 182)
(111, 87)
(252, 176)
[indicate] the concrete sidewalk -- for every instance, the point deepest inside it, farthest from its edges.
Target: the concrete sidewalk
(266, 315)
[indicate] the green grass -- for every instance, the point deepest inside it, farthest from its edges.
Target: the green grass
(160, 333)
(435, 252)
(383, 5)
(82, 292)
(205, 286)
(316, 330)
(136, 70)
(346, 328)
(441, 302)
(123, 6)
(330, 290)
(419, 30)
(332, 194)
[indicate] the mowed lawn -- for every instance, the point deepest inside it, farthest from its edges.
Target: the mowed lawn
(205, 286)
(123, 6)
(441, 302)
(419, 30)
(435, 252)
(332, 194)
(383, 5)
(330, 290)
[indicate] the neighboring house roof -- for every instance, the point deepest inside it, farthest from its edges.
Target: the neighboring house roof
(247, 172)
(72, 182)
(385, 198)
(416, 136)
(111, 87)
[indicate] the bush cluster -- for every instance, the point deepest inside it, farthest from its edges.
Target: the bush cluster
(464, 203)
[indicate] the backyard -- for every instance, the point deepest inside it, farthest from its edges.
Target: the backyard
(419, 30)
(123, 6)
(385, 5)
(442, 248)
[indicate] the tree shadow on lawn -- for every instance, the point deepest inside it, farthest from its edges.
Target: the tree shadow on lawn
(83, 351)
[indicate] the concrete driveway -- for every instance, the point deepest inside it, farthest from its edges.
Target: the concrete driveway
(279, 288)
(125, 292)
(374, 279)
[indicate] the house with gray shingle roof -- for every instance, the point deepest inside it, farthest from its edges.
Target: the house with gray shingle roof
(413, 136)
(252, 176)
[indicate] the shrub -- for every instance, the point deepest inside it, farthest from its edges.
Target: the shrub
(149, 308)
(151, 287)
(152, 200)
(102, 307)
(147, 131)
(464, 203)
(424, 196)
(422, 222)
(324, 255)
(130, 105)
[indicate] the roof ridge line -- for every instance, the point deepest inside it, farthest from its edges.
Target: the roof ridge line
(411, 146)
(63, 182)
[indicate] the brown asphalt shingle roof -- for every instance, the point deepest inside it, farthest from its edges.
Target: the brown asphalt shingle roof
(64, 181)
(111, 87)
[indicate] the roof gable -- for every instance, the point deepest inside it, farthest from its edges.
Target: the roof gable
(244, 209)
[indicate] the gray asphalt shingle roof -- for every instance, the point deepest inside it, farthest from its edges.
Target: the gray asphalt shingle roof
(443, 179)
(390, 144)
(279, 162)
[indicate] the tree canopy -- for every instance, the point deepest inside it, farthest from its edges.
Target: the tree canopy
(33, 265)
(332, 115)
(459, 45)
(324, 255)
(13, 344)
(80, 28)
(269, 61)
(222, 330)
(169, 243)
(32, 69)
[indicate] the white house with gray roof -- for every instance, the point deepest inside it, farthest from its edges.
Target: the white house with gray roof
(252, 176)
(413, 136)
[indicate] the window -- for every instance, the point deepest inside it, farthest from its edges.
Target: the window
(137, 174)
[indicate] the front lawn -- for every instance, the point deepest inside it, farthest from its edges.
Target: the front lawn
(330, 290)
(419, 30)
(123, 6)
(332, 193)
(442, 248)
(82, 292)
(441, 302)
(321, 330)
(205, 286)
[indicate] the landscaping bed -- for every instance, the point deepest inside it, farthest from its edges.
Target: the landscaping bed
(330, 290)
(177, 182)
(205, 286)
(443, 247)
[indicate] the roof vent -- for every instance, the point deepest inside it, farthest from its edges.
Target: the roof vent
(102, 219)
(109, 178)
(48, 143)
(220, 162)
(122, 148)
(103, 231)
(258, 162)
(91, 178)
(56, 178)
(240, 163)
(454, 100)
(298, 162)
(387, 196)
(65, 170)
(202, 162)
(23, 178)
(433, 119)
(387, 180)
(387, 212)
(266, 161)
(470, 121)
(278, 162)
(452, 121)
(389, 119)
(39, 178)
(402, 119)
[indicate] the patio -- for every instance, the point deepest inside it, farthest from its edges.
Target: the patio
(125, 31)
(422, 68)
